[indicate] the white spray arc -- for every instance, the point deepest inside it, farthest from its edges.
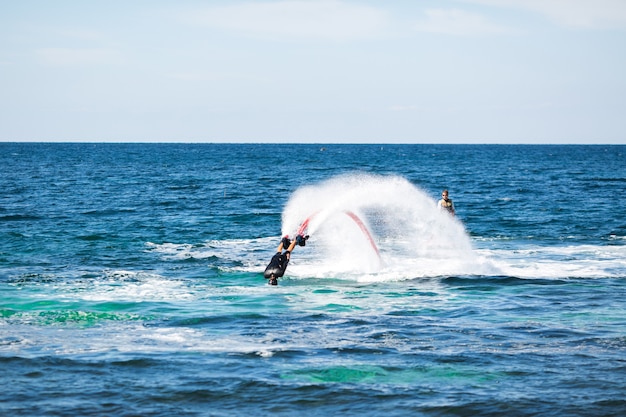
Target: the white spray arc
(375, 228)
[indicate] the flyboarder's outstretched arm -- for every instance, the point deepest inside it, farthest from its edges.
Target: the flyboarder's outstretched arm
(287, 244)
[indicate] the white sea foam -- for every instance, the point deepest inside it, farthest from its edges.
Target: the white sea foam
(252, 252)
(121, 285)
(571, 261)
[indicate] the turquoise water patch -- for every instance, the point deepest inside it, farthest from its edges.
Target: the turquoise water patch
(368, 374)
(340, 374)
(338, 308)
(69, 317)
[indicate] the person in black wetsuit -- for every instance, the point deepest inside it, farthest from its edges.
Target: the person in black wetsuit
(278, 263)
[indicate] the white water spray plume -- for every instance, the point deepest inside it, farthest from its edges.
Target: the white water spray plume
(375, 228)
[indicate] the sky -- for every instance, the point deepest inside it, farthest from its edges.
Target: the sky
(325, 71)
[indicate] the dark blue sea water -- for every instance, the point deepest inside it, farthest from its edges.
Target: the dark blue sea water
(131, 280)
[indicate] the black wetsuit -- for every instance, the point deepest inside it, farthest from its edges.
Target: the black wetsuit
(277, 266)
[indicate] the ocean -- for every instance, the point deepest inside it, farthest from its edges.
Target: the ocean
(131, 280)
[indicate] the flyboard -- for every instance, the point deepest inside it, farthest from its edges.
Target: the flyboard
(279, 262)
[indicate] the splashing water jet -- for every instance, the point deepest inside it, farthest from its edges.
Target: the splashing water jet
(380, 226)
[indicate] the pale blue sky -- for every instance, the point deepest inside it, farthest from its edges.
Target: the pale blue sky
(448, 71)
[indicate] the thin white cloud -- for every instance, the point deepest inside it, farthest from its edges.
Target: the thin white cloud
(82, 34)
(458, 22)
(596, 14)
(197, 76)
(401, 107)
(284, 20)
(70, 57)
(190, 76)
